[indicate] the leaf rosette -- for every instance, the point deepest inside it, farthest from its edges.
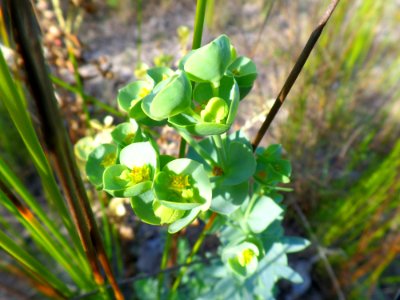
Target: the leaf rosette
(135, 172)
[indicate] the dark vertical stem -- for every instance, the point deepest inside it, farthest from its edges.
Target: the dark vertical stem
(55, 136)
(294, 73)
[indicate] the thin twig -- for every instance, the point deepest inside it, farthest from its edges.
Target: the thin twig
(291, 79)
(321, 253)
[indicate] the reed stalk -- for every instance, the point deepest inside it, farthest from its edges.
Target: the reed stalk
(57, 142)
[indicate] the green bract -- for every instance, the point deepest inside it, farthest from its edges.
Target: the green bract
(134, 175)
(126, 133)
(181, 189)
(208, 63)
(159, 74)
(242, 258)
(99, 159)
(168, 98)
(131, 94)
(271, 168)
(244, 71)
(213, 115)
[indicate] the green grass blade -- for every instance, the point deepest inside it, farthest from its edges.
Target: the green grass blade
(15, 106)
(11, 180)
(42, 239)
(29, 262)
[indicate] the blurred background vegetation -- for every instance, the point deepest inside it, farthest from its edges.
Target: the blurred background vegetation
(340, 124)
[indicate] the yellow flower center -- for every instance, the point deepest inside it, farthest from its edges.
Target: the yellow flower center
(140, 174)
(143, 92)
(181, 185)
(245, 257)
(108, 160)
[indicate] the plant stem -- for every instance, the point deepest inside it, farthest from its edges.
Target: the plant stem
(78, 82)
(219, 146)
(196, 146)
(195, 249)
(294, 73)
(89, 99)
(199, 23)
(196, 43)
(164, 261)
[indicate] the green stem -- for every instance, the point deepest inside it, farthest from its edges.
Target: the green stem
(199, 23)
(139, 31)
(219, 146)
(79, 83)
(164, 261)
(89, 99)
(196, 146)
(250, 206)
(196, 43)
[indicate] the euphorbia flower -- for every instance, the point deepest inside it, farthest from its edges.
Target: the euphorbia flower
(215, 111)
(242, 258)
(182, 189)
(134, 174)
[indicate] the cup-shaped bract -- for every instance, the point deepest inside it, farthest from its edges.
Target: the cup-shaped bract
(132, 93)
(126, 133)
(182, 189)
(99, 159)
(242, 258)
(158, 74)
(215, 112)
(244, 70)
(170, 97)
(135, 173)
(208, 63)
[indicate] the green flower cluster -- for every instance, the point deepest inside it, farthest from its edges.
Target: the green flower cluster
(201, 97)
(221, 173)
(162, 190)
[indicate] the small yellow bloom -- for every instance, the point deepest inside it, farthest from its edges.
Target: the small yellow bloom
(245, 257)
